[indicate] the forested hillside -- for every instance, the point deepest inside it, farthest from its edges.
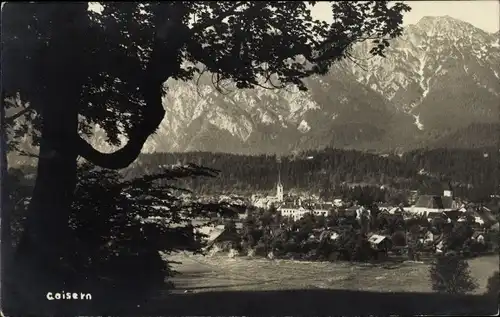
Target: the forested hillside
(473, 136)
(320, 171)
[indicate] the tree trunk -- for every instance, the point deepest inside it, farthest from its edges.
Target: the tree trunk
(47, 229)
(5, 223)
(46, 242)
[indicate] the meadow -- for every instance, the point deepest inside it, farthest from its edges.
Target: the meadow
(199, 273)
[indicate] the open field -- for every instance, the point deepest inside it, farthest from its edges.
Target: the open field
(232, 287)
(220, 273)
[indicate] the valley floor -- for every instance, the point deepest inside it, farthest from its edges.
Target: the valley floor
(220, 273)
(222, 286)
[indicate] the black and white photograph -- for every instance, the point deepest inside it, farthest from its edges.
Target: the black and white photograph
(250, 158)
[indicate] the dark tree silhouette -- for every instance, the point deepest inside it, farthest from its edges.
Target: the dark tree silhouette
(18, 190)
(459, 235)
(398, 238)
(451, 274)
(120, 228)
(493, 286)
(76, 68)
(250, 233)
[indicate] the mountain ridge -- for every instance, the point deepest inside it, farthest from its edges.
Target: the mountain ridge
(430, 85)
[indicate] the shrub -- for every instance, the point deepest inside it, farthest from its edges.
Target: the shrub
(311, 255)
(362, 250)
(19, 190)
(492, 238)
(334, 256)
(451, 274)
(493, 285)
(261, 249)
(398, 238)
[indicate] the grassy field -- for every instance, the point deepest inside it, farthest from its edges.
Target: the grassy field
(221, 273)
(221, 286)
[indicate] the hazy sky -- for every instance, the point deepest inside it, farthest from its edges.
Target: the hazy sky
(482, 14)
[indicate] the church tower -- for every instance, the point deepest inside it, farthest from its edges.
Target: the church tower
(279, 187)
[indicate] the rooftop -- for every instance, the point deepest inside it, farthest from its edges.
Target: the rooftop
(435, 202)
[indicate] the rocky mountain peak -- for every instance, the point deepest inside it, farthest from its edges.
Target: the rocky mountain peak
(435, 25)
(445, 30)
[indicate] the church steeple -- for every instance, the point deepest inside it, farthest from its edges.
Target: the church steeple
(279, 186)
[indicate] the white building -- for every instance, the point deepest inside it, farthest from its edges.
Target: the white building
(338, 202)
(320, 209)
(428, 204)
(362, 211)
(293, 211)
(296, 211)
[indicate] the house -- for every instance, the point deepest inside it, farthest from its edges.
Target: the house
(217, 236)
(334, 235)
(478, 237)
(315, 235)
(338, 202)
(379, 242)
(293, 211)
(352, 211)
(329, 234)
(362, 211)
(485, 217)
(428, 204)
(380, 245)
(413, 196)
(439, 243)
(438, 215)
(481, 216)
(495, 227)
(396, 210)
(262, 202)
(297, 211)
(319, 209)
(428, 237)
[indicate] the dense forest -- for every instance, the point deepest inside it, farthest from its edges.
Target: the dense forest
(470, 172)
(474, 136)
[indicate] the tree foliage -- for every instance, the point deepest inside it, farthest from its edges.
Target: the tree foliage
(70, 68)
(124, 228)
(451, 274)
(19, 189)
(124, 54)
(493, 284)
(138, 215)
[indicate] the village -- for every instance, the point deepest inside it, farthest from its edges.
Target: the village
(309, 228)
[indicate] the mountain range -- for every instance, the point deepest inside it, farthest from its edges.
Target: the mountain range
(438, 86)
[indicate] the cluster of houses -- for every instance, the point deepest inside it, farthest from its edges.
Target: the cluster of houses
(430, 205)
(220, 239)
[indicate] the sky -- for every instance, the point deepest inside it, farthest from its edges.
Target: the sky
(482, 14)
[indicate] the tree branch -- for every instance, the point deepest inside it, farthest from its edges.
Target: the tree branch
(116, 160)
(151, 118)
(11, 119)
(218, 19)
